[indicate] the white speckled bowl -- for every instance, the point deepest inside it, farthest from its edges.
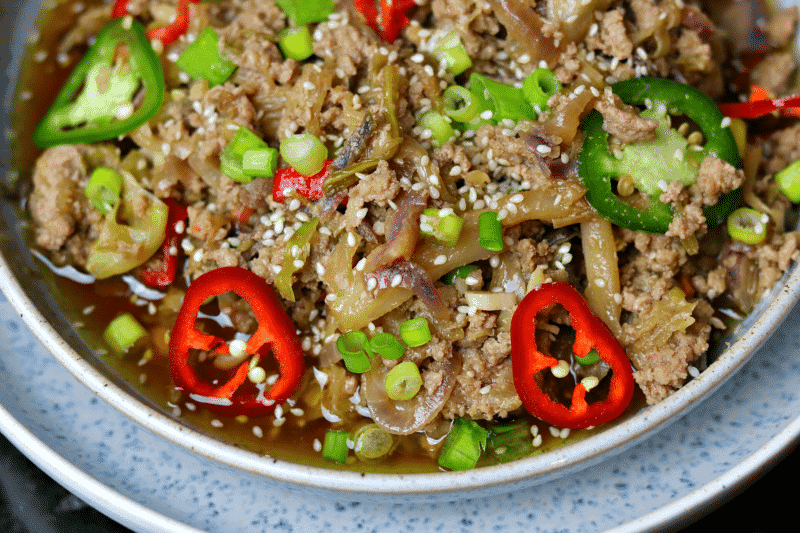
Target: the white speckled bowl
(21, 280)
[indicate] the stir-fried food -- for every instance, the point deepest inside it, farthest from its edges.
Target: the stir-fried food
(418, 235)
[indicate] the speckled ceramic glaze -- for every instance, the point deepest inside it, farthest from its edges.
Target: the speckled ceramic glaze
(50, 412)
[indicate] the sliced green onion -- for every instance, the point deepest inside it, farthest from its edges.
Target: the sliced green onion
(305, 153)
(460, 104)
(415, 332)
(539, 86)
(450, 50)
(295, 42)
(441, 130)
(387, 346)
(490, 231)
(509, 442)
(202, 59)
(788, 180)
(104, 189)
(307, 11)
(231, 160)
(589, 359)
(262, 162)
(464, 445)
(371, 442)
(335, 447)
(123, 333)
(403, 381)
(748, 225)
(502, 100)
(444, 229)
(458, 272)
(355, 351)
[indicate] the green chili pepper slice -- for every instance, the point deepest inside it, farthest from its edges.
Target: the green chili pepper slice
(659, 161)
(96, 103)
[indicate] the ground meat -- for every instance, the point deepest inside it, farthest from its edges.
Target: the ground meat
(781, 27)
(774, 72)
(713, 284)
(647, 272)
(622, 121)
(232, 103)
(482, 390)
(694, 55)
(716, 177)
(663, 371)
(697, 21)
(612, 38)
(54, 203)
(377, 187)
(497, 348)
(206, 225)
(532, 254)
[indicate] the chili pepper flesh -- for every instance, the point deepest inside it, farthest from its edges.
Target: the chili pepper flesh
(590, 332)
(646, 162)
(164, 275)
(82, 113)
(276, 332)
(167, 34)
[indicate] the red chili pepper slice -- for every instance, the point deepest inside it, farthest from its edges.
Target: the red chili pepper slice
(163, 276)
(308, 186)
(276, 331)
(167, 34)
(760, 104)
(388, 19)
(590, 332)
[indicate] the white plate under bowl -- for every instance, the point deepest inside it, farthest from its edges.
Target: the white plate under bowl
(30, 296)
(150, 485)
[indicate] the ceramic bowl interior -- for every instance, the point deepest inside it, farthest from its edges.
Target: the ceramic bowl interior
(24, 276)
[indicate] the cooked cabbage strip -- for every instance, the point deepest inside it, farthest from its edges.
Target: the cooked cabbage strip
(602, 272)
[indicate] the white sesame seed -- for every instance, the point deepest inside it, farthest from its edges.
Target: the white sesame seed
(440, 260)
(372, 283)
(486, 389)
(487, 115)
(216, 423)
(543, 149)
(726, 122)
(397, 279)
(317, 445)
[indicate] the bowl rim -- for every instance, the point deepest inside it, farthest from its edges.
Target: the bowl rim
(537, 468)
(455, 485)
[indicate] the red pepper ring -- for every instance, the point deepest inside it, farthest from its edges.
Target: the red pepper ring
(275, 330)
(590, 332)
(165, 274)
